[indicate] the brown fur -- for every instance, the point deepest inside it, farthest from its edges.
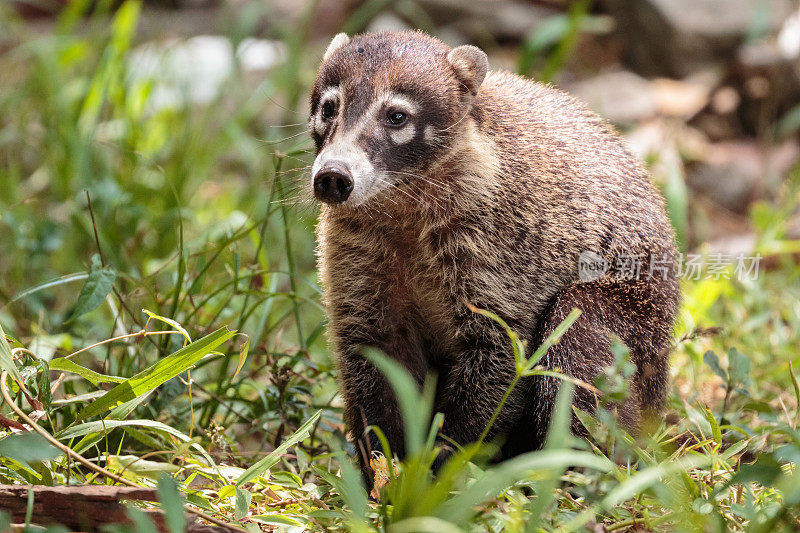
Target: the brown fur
(520, 180)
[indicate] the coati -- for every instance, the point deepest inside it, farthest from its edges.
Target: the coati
(444, 186)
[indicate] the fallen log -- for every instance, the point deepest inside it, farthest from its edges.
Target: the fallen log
(83, 507)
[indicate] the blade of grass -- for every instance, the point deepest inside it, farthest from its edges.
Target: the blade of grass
(6, 359)
(270, 460)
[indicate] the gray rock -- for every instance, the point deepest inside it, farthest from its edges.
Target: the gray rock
(679, 37)
(730, 175)
(734, 174)
(621, 97)
(387, 22)
(499, 19)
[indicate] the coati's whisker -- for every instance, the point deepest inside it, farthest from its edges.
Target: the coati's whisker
(278, 141)
(304, 124)
(295, 158)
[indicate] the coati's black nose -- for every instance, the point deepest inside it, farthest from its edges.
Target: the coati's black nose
(333, 183)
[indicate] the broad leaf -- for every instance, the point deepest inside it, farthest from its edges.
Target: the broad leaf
(27, 447)
(169, 321)
(172, 504)
(711, 359)
(157, 374)
(243, 498)
(94, 291)
(6, 359)
(102, 426)
(67, 365)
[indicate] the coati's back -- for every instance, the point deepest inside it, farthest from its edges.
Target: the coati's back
(572, 168)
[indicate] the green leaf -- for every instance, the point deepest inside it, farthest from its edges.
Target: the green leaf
(162, 371)
(43, 382)
(28, 447)
(558, 437)
(461, 507)
(636, 484)
(543, 36)
(702, 506)
(711, 359)
(350, 486)
(47, 284)
(123, 410)
(553, 338)
(765, 470)
(270, 460)
(276, 519)
(796, 387)
(139, 466)
(67, 365)
(102, 426)
(677, 199)
(6, 359)
(243, 498)
(172, 503)
(516, 343)
(141, 522)
(169, 321)
(425, 524)
(89, 396)
(242, 357)
(94, 291)
(226, 492)
(789, 123)
(738, 368)
(715, 431)
(123, 29)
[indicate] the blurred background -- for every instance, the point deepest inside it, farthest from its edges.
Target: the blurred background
(153, 155)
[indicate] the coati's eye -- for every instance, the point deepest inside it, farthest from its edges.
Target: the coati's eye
(396, 118)
(327, 110)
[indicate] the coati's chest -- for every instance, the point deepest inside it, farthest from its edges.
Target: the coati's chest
(423, 286)
(424, 272)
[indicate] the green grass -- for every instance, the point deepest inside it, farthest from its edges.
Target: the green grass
(194, 216)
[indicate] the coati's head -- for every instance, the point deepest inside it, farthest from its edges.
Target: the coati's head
(385, 107)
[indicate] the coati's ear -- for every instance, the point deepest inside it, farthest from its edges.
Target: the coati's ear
(470, 64)
(340, 40)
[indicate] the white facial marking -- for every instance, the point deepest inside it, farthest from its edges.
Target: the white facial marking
(403, 135)
(429, 134)
(318, 125)
(398, 102)
(330, 94)
(401, 103)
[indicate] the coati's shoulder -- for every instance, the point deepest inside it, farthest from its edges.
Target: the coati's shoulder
(529, 119)
(510, 101)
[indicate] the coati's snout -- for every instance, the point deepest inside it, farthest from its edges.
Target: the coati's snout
(381, 117)
(333, 183)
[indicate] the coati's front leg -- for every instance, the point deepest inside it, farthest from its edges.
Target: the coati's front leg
(369, 398)
(481, 371)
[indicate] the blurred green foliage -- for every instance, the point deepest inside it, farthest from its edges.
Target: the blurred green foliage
(110, 205)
